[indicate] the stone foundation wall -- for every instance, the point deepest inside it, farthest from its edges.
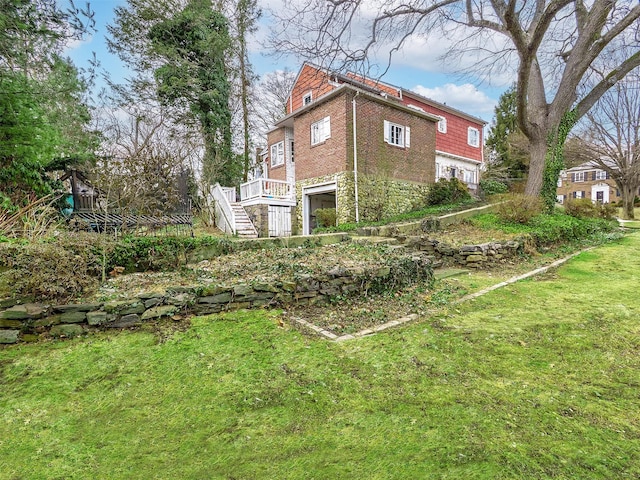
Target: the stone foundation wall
(345, 211)
(381, 197)
(259, 216)
(378, 196)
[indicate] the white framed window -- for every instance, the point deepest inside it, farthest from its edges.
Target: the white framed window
(442, 125)
(578, 177)
(578, 194)
(601, 175)
(469, 176)
(308, 97)
(398, 135)
(473, 137)
(277, 154)
(320, 131)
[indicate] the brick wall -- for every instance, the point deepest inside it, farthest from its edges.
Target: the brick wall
(331, 155)
(568, 188)
(376, 157)
(279, 172)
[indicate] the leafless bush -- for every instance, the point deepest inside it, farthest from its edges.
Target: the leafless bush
(37, 219)
(518, 208)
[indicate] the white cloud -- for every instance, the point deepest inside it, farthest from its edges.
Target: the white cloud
(490, 63)
(75, 44)
(464, 97)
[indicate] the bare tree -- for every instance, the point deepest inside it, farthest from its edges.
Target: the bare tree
(550, 45)
(271, 98)
(142, 160)
(612, 137)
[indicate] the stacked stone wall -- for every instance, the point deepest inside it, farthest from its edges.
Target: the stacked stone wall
(24, 322)
(474, 256)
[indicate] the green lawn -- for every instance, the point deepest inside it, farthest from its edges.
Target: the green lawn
(540, 379)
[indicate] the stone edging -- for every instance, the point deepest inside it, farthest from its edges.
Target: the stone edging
(413, 316)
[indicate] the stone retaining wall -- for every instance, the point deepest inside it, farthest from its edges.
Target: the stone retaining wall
(475, 256)
(28, 321)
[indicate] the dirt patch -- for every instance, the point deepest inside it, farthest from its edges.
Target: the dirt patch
(355, 313)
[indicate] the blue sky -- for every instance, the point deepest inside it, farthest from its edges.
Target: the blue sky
(416, 68)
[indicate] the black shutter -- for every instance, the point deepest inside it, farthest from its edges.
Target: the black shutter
(573, 177)
(593, 175)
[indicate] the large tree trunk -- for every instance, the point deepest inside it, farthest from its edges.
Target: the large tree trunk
(538, 153)
(628, 195)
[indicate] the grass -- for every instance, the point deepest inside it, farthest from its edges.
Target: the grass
(537, 380)
(549, 230)
(403, 217)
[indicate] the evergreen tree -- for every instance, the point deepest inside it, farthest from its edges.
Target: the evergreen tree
(505, 140)
(43, 115)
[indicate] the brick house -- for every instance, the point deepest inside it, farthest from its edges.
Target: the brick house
(366, 148)
(587, 180)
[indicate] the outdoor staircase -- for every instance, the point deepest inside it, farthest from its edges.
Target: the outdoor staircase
(243, 224)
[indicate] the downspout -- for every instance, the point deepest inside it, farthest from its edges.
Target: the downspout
(355, 157)
(479, 168)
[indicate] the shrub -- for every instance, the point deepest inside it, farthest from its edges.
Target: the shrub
(73, 264)
(549, 229)
(60, 268)
(493, 187)
(326, 217)
(518, 208)
(545, 229)
(585, 208)
(448, 191)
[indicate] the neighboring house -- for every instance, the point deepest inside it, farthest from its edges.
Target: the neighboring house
(362, 147)
(587, 180)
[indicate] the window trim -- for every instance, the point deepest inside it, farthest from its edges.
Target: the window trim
(308, 95)
(579, 177)
(601, 175)
(278, 148)
(404, 129)
(442, 124)
(324, 131)
(476, 143)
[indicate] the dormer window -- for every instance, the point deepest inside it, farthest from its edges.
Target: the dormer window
(306, 100)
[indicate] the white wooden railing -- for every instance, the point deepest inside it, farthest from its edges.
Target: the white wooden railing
(230, 193)
(266, 188)
(225, 218)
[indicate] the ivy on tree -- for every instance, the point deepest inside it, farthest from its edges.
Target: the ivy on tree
(193, 44)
